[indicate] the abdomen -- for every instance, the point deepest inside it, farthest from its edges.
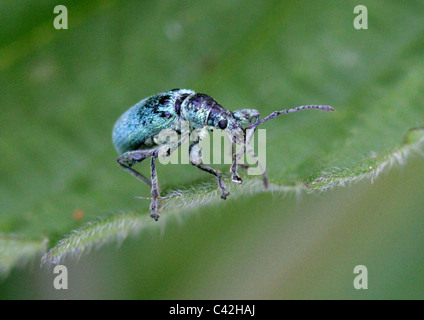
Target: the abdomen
(145, 120)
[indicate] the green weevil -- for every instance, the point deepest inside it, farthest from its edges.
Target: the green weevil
(135, 133)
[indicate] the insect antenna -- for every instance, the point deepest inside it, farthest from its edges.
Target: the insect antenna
(301, 108)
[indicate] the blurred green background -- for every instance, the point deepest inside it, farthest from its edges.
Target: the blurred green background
(62, 90)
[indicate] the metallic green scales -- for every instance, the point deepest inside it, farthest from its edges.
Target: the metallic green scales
(147, 118)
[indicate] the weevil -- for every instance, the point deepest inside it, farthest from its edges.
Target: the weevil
(135, 134)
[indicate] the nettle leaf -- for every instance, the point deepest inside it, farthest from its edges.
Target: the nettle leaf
(17, 251)
(62, 91)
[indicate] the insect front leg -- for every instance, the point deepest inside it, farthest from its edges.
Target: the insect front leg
(234, 175)
(197, 161)
(244, 117)
(249, 117)
(249, 135)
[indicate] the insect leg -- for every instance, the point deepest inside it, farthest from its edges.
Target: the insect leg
(248, 148)
(197, 161)
(234, 175)
(249, 135)
(244, 117)
(154, 205)
(130, 158)
(254, 156)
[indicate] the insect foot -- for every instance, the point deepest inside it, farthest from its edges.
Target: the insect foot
(237, 179)
(154, 207)
(224, 194)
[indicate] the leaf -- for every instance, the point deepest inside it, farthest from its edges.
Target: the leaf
(182, 202)
(15, 251)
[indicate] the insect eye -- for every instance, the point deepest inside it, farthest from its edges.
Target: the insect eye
(222, 124)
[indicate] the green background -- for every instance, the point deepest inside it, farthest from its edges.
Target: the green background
(62, 90)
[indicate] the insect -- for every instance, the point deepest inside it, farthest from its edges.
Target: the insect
(136, 133)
